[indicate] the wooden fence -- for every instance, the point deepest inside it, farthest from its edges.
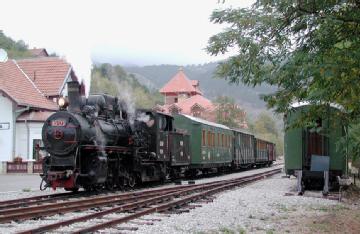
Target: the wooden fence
(23, 167)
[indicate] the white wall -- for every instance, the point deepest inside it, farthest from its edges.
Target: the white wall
(64, 91)
(23, 144)
(6, 135)
(21, 141)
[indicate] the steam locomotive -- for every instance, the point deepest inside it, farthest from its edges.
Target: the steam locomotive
(94, 143)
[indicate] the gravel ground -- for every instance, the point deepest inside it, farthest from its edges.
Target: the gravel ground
(261, 207)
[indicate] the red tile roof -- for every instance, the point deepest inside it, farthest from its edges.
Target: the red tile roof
(48, 73)
(34, 116)
(200, 100)
(20, 88)
(185, 105)
(179, 84)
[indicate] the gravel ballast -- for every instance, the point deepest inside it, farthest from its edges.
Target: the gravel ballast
(261, 207)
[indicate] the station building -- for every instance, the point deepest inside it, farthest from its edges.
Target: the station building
(29, 90)
(182, 95)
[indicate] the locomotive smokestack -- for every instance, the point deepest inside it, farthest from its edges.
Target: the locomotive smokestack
(74, 96)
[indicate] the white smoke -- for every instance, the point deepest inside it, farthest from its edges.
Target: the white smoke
(143, 117)
(100, 140)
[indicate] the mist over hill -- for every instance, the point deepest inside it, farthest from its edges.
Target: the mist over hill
(154, 77)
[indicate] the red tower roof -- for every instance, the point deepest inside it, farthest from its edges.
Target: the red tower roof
(179, 84)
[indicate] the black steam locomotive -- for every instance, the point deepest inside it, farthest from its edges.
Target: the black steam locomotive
(92, 143)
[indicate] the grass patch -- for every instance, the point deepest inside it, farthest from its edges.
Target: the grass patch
(319, 227)
(226, 230)
(283, 208)
(270, 231)
(336, 207)
(241, 230)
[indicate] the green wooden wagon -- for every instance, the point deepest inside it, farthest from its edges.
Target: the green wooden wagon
(312, 155)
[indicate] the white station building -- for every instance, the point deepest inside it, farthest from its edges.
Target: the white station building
(29, 89)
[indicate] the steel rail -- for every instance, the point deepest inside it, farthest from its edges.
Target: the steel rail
(21, 201)
(174, 204)
(51, 209)
(152, 201)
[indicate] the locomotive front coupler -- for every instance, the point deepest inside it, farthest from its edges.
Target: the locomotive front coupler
(59, 175)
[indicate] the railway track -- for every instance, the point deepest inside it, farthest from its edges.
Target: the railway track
(129, 206)
(36, 200)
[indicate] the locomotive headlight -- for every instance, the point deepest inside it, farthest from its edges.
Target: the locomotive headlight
(62, 102)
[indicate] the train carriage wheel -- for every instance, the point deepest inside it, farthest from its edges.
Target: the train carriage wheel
(110, 184)
(132, 180)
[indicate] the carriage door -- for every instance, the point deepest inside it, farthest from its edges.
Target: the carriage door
(179, 149)
(164, 126)
(315, 144)
(271, 154)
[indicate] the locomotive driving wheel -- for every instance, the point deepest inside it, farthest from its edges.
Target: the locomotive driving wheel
(132, 180)
(110, 183)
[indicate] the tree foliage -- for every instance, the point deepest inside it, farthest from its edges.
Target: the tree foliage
(113, 80)
(228, 112)
(310, 50)
(265, 128)
(15, 49)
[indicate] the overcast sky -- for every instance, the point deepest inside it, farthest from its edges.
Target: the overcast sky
(136, 32)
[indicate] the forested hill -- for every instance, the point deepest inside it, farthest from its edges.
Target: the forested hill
(156, 76)
(14, 49)
(113, 80)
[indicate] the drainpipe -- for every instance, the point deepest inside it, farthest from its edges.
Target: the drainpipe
(17, 114)
(27, 139)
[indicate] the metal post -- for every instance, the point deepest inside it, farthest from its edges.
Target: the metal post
(299, 180)
(326, 183)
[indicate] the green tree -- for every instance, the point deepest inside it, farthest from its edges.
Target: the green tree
(309, 50)
(113, 80)
(228, 112)
(15, 49)
(265, 128)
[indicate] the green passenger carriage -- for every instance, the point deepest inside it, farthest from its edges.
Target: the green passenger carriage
(211, 143)
(312, 155)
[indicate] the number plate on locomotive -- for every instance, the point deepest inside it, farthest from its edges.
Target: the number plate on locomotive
(58, 123)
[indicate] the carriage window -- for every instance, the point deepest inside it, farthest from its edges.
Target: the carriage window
(218, 139)
(213, 139)
(222, 140)
(209, 138)
(203, 138)
(164, 123)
